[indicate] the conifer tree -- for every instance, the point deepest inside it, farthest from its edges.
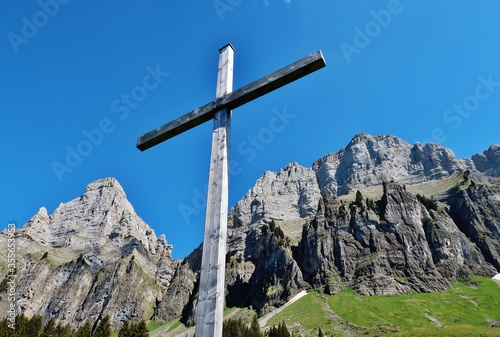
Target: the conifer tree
(126, 330)
(20, 325)
(4, 328)
(84, 330)
(279, 331)
(49, 330)
(320, 333)
(359, 199)
(63, 331)
(104, 328)
(140, 329)
(34, 325)
(254, 330)
(283, 331)
(231, 328)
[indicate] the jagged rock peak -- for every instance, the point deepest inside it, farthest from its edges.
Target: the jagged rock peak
(364, 137)
(105, 183)
(488, 162)
(101, 218)
(291, 193)
(43, 212)
(369, 160)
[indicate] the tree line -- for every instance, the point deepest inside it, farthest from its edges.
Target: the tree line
(34, 327)
(238, 328)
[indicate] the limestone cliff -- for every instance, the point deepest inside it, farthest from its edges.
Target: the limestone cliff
(380, 216)
(92, 257)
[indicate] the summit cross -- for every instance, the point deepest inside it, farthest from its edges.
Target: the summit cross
(209, 313)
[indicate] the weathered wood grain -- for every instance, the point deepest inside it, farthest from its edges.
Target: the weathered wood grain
(210, 310)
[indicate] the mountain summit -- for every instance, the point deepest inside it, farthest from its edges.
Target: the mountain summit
(364, 164)
(380, 216)
(91, 257)
(102, 218)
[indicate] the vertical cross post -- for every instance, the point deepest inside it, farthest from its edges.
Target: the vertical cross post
(209, 313)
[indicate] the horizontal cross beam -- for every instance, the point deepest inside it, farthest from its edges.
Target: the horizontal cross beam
(233, 99)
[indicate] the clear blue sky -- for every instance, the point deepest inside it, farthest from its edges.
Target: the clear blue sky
(420, 70)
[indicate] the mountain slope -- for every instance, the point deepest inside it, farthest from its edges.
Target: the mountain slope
(421, 219)
(93, 256)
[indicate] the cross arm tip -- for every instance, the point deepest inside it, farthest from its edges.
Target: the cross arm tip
(321, 56)
(225, 46)
(140, 145)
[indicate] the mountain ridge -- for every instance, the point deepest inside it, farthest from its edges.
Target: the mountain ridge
(422, 218)
(367, 161)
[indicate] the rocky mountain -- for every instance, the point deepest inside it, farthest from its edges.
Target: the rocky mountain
(93, 256)
(380, 216)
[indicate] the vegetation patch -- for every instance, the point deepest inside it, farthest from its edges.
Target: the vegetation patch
(306, 311)
(467, 309)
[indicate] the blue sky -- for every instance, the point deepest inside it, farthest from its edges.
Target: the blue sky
(89, 77)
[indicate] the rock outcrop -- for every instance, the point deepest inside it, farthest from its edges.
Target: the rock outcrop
(290, 195)
(370, 160)
(488, 162)
(92, 257)
(381, 217)
(395, 245)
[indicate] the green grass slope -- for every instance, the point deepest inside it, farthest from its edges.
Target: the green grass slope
(468, 309)
(464, 310)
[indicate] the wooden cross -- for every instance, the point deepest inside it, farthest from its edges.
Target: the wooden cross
(209, 314)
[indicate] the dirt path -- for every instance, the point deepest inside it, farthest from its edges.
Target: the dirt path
(496, 278)
(263, 320)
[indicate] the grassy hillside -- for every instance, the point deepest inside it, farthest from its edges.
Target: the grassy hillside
(464, 310)
(468, 309)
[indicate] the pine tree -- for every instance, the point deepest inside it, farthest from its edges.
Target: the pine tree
(49, 330)
(20, 326)
(283, 331)
(64, 330)
(84, 330)
(359, 199)
(68, 330)
(5, 331)
(34, 325)
(279, 331)
(230, 328)
(104, 328)
(320, 333)
(140, 329)
(126, 330)
(254, 330)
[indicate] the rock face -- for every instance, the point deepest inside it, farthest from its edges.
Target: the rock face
(445, 226)
(369, 161)
(476, 211)
(389, 247)
(92, 257)
(380, 216)
(290, 195)
(102, 217)
(488, 162)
